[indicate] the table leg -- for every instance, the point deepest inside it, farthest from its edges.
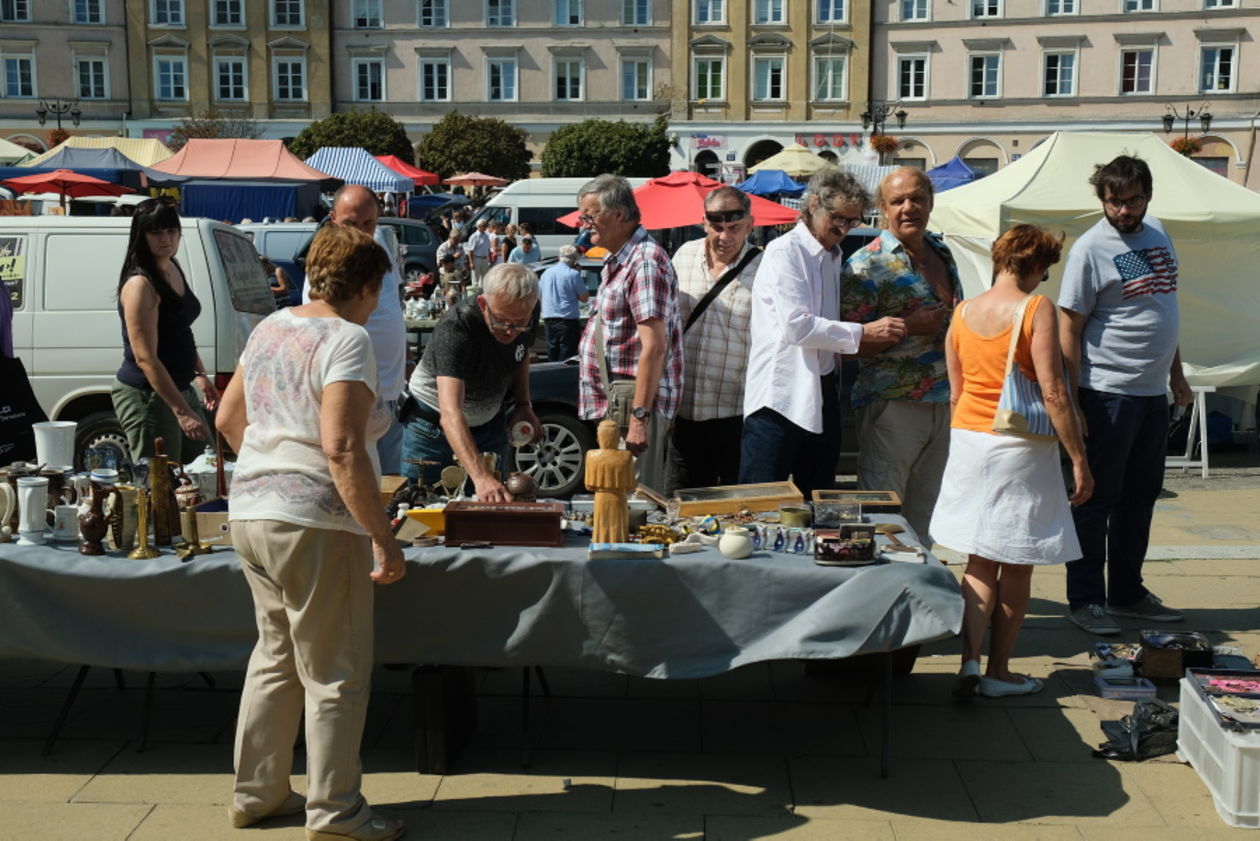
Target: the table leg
(65, 709)
(885, 728)
(150, 687)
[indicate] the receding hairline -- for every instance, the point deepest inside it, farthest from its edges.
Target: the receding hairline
(920, 177)
(353, 194)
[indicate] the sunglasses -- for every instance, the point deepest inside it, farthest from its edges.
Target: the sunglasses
(150, 205)
(723, 217)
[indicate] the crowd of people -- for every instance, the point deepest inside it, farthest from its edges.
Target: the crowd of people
(718, 365)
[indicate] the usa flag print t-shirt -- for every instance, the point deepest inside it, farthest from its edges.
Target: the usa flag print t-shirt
(1126, 286)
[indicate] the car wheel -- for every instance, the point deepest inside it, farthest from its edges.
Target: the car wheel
(413, 273)
(100, 430)
(557, 462)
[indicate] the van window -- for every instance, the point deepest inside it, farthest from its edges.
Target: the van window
(502, 215)
(246, 282)
(67, 255)
(543, 219)
(412, 234)
(282, 245)
(13, 269)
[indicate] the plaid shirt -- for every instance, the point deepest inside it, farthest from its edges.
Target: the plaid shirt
(716, 347)
(637, 283)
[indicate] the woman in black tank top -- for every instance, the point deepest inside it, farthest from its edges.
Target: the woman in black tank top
(153, 395)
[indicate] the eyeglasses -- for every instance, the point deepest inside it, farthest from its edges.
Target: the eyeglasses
(1131, 203)
(496, 324)
(588, 219)
(845, 222)
(150, 205)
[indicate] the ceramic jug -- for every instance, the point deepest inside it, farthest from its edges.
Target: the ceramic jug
(123, 517)
(93, 524)
(32, 510)
(8, 507)
(736, 543)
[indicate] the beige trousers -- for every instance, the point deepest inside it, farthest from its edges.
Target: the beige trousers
(313, 604)
(481, 265)
(903, 446)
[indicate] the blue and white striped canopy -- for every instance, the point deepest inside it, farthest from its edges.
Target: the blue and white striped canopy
(354, 165)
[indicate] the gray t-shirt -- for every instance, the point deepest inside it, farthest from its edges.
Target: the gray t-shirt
(1126, 286)
(463, 347)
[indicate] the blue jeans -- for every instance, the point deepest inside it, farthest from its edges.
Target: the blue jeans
(772, 448)
(563, 335)
(389, 445)
(424, 439)
(1126, 446)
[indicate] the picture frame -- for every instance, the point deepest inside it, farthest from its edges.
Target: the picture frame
(730, 499)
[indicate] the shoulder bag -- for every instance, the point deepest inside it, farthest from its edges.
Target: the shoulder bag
(1021, 410)
(722, 282)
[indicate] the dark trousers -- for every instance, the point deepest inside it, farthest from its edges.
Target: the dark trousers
(703, 453)
(773, 448)
(563, 335)
(1126, 445)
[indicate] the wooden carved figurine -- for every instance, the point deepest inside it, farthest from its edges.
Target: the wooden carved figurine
(610, 476)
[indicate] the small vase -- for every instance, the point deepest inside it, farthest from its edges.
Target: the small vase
(94, 524)
(736, 543)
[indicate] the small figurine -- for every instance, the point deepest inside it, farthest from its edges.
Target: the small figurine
(610, 476)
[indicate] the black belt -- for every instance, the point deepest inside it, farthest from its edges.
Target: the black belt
(413, 408)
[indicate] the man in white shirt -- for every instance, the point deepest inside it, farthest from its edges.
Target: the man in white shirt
(480, 246)
(791, 392)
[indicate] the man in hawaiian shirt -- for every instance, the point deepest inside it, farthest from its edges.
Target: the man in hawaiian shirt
(902, 389)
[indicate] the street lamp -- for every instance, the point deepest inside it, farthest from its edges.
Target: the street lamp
(1170, 118)
(877, 113)
(58, 107)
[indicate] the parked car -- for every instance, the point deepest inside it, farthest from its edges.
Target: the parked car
(280, 243)
(418, 242)
(64, 275)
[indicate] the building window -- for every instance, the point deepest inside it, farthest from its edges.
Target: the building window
(1139, 5)
(501, 80)
(90, 78)
(1060, 7)
(830, 11)
(986, 8)
(710, 11)
(830, 82)
(369, 79)
(568, 12)
(229, 78)
(1220, 4)
(768, 79)
(568, 79)
(15, 11)
(227, 13)
(636, 12)
(914, 9)
(912, 77)
(500, 13)
(768, 11)
(89, 11)
(1060, 75)
(287, 13)
(168, 13)
(710, 76)
(290, 76)
(1136, 67)
(171, 78)
(433, 13)
(636, 79)
(435, 79)
(19, 77)
(1217, 70)
(367, 14)
(986, 70)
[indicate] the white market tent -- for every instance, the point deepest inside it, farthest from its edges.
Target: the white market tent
(1214, 224)
(354, 165)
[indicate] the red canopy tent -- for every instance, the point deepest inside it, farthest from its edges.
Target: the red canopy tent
(400, 166)
(677, 200)
(67, 183)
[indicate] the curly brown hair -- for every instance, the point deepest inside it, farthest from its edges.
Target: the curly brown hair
(1026, 249)
(342, 262)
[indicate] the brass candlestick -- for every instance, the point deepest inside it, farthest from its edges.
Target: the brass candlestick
(144, 551)
(160, 487)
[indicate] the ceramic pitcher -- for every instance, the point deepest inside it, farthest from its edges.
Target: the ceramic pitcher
(32, 510)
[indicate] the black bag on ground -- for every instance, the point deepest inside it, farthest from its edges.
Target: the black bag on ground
(1150, 730)
(18, 410)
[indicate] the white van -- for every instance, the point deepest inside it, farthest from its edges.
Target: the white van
(62, 276)
(540, 202)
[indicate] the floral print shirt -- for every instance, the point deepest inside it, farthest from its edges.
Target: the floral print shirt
(880, 281)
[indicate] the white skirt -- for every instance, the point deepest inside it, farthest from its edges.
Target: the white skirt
(1003, 498)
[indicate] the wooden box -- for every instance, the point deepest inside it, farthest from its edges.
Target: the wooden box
(505, 523)
(389, 486)
(730, 499)
(828, 504)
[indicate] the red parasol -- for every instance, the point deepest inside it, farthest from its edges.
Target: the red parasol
(677, 200)
(420, 176)
(477, 179)
(67, 183)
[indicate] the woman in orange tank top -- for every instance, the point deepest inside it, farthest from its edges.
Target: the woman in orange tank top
(1002, 498)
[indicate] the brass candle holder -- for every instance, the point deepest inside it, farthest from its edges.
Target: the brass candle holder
(143, 551)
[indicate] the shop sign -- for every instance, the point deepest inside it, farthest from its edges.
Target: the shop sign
(822, 140)
(708, 141)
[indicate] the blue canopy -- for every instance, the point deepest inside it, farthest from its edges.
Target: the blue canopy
(953, 173)
(86, 160)
(354, 165)
(771, 182)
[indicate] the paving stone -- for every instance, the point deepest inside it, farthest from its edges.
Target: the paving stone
(691, 784)
(27, 776)
(544, 827)
(556, 781)
(1058, 735)
(955, 731)
(848, 788)
(390, 780)
(622, 724)
(1181, 798)
(1056, 792)
(71, 821)
(1113, 832)
(165, 773)
(794, 828)
(191, 822)
(914, 829)
(752, 682)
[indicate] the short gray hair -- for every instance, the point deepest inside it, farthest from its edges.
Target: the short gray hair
(831, 183)
(613, 193)
(509, 283)
(729, 192)
(568, 254)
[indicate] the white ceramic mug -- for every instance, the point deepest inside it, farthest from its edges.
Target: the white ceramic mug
(54, 442)
(66, 522)
(32, 510)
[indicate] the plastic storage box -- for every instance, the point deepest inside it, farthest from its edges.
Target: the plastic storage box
(1228, 761)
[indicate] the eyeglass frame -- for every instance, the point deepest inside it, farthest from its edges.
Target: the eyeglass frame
(1132, 203)
(506, 325)
(848, 223)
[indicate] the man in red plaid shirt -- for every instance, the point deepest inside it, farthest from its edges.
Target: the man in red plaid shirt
(637, 307)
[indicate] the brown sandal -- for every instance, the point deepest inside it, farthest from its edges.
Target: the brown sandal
(376, 828)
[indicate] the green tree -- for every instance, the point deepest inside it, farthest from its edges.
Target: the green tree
(375, 131)
(459, 143)
(212, 123)
(594, 146)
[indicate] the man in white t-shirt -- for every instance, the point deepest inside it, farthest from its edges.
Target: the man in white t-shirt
(479, 249)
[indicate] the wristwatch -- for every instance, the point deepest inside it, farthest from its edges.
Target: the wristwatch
(641, 413)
